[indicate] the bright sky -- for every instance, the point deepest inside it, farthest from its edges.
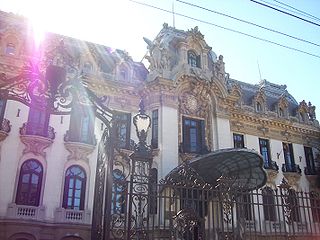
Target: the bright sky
(122, 24)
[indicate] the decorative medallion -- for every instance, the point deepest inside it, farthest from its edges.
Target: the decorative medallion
(191, 103)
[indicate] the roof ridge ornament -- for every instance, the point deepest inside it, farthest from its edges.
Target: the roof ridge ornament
(196, 33)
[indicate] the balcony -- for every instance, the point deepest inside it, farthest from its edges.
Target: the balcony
(34, 130)
(5, 128)
(271, 165)
(63, 215)
(294, 168)
(292, 173)
(35, 139)
(90, 139)
(79, 150)
(310, 171)
(15, 211)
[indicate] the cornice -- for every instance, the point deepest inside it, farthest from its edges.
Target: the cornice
(281, 130)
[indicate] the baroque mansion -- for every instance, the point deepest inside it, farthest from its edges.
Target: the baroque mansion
(224, 159)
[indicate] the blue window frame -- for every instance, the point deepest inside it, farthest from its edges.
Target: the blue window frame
(74, 188)
(30, 182)
(265, 152)
(82, 124)
(193, 135)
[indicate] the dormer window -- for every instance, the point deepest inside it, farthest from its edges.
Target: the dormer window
(123, 74)
(87, 67)
(193, 59)
(10, 49)
(259, 107)
(281, 112)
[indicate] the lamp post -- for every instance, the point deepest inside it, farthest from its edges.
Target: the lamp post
(139, 192)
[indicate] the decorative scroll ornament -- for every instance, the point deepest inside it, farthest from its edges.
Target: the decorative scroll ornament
(79, 151)
(185, 176)
(35, 144)
(285, 189)
(185, 221)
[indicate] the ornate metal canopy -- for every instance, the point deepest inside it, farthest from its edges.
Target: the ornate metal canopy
(238, 168)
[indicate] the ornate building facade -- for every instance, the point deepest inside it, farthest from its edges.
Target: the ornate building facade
(49, 158)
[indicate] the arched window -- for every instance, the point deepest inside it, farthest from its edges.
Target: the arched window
(29, 185)
(193, 59)
(268, 204)
(119, 192)
(247, 205)
(74, 188)
(293, 202)
(315, 206)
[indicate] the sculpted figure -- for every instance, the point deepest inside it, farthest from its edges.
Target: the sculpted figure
(311, 111)
(158, 56)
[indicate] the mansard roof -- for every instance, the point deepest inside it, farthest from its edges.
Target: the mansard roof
(274, 92)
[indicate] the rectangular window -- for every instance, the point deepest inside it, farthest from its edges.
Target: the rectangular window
(193, 135)
(311, 168)
(155, 129)
(123, 122)
(238, 141)
(81, 127)
(265, 152)
(288, 157)
(38, 122)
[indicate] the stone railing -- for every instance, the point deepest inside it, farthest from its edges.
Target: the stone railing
(25, 212)
(31, 129)
(63, 215)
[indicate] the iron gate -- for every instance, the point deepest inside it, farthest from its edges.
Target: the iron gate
(191, 209)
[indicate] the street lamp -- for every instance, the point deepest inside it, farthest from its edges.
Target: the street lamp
(142, 123)
(139, 194)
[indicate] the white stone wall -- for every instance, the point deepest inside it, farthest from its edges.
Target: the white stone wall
(223, 136)
(168, 140)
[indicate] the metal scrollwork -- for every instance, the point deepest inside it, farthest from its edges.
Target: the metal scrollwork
(185, 176)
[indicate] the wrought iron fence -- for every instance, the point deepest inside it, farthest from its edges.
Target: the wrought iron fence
(178, 212)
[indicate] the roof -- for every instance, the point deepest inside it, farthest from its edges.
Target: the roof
(242, 168)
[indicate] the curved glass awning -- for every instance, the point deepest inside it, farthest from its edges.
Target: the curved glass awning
(236, 168)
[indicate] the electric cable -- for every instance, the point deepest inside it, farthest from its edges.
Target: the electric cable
(292, 15)
(250, 23)
(225, 28)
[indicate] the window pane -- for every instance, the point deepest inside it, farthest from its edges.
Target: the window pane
(29, 185)
(75, 181)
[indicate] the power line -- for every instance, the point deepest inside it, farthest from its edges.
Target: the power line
(292, 15)
(285, 8)
(225, 28)
(250, 23)
(298, 10)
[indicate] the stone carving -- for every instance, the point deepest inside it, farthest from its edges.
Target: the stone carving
(159, 56)
(78, 151)
(219, 68)
(196, 33)
(311, 111)
(35, 144)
